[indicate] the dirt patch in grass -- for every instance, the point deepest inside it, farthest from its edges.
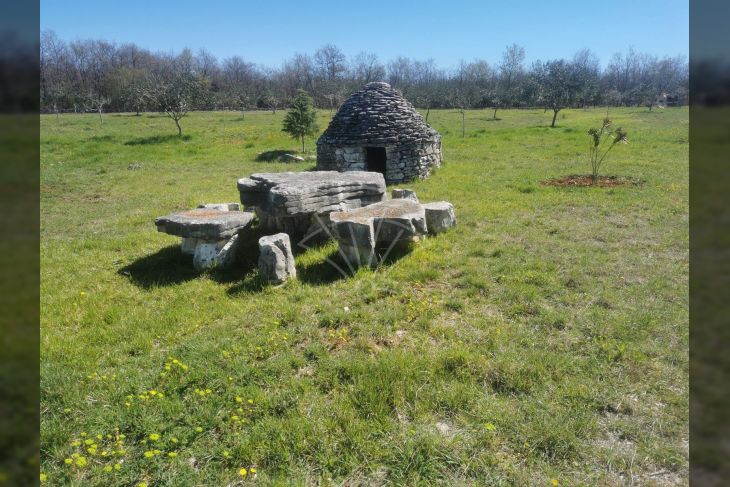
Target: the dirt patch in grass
(586, 180)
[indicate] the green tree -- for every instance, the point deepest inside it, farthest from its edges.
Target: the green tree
(301, 120)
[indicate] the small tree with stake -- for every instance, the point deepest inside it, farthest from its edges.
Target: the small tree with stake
(301, 120)
(600, 138)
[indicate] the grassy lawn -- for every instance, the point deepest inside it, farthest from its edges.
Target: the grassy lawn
(542, 340)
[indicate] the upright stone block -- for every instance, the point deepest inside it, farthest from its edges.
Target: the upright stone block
(276, 261)
(404, 194)
(440, 216)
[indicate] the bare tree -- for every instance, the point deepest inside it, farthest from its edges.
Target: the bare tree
(331, 62)
(511, 70)
(366, 68)
(96, 101)
(177, 91)
(71, 70)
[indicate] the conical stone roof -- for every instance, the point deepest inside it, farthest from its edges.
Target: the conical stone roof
(377, 114)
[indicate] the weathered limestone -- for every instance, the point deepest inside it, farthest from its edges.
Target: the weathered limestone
(407, 194)
(360, 232)
(276, 261)
(440, 216)
(376, 129)
(221, 206)
(209, 233)
(288, 201)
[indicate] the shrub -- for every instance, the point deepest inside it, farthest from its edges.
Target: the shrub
(600, 138)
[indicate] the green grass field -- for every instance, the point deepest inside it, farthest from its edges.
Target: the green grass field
(543, 341)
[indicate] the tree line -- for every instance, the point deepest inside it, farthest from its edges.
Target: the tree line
(96, 75)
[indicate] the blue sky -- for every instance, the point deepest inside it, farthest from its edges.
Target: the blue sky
(268, 32)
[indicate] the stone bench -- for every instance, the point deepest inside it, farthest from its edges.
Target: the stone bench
(391, 223)
(209, 233)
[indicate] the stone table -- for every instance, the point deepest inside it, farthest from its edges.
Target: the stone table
(288, 201)
(209, 233)
(385, 224)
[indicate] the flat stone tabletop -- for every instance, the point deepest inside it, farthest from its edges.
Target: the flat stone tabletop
(295, 193)
(386, 221)
(204, 223)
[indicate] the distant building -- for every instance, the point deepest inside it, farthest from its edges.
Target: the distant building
(377, 129)
(666, 100)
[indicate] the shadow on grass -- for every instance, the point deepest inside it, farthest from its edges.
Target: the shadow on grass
(157, 139)
(333, 267)
(169, 266)
(165, 267)
(329, 269)
(276, 155)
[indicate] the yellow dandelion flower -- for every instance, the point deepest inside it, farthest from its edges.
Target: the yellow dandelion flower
(173, 439)
(198, 429)
(239, 399)
(242, 472)
(250, 401)
(82, 293)
(81, 462)
(226, 453)
(89, 441)
(76, 443)
(117, 466)
(108, 468)
(252, 470)
(149, 454)
(142, 484)
(154, 437)
(554, 482)
(43, 477)
(68, 461)
(153, 392)
(172, 454)
(83, 433)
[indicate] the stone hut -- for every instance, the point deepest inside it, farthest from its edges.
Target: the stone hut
(376, 129)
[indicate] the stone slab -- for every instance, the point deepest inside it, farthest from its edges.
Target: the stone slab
(289, 194)
(204, 223)
(360, 231)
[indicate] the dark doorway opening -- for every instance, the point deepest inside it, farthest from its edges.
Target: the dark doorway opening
(376, 159)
